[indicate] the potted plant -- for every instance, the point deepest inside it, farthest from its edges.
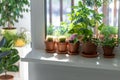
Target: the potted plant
(62, 45)
(73, 45)
(109, 40)
(83, 21)
(11, 11)
(7, 63)
(8, 57)
(22, 38)
(61, 30)
(50, 44)
(108, 45)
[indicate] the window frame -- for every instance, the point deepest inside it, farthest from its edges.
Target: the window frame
(38, 26)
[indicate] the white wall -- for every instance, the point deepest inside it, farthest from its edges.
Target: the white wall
(24, 22)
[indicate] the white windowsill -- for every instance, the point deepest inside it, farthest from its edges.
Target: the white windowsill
(40, 56)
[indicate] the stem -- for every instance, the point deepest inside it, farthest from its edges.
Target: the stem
(5, 68)
(8, 13)
(96, 24)
(5, 73)
(9, 25)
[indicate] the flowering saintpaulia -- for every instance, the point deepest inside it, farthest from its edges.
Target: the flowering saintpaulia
(73, 36)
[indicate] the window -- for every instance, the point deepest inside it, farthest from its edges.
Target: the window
(57, 11)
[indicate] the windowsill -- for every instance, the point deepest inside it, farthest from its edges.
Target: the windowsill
(40, 56)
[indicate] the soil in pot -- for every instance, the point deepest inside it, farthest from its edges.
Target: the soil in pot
(6, 77)
(11, 28)
(50, 46)
(108, 52)
(73, 48)
(62, 47)
(89, 50)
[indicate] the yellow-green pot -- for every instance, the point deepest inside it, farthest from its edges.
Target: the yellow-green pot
(9, 30)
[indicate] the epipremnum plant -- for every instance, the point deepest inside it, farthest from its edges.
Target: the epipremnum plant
(12, 10)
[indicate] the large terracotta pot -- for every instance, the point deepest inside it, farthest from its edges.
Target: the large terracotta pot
(62, 47)
(50, 46)
(6, 77)
(89, 48)
(73, 49)
(108, 51)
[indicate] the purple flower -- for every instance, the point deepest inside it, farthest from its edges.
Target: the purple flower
(73, 36)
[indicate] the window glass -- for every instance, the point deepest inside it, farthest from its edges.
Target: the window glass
(55, 13)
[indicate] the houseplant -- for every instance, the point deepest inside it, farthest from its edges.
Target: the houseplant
(22, 38)
(83, 21)
(50, 44)
(109, 40)
(62, 45)
(73, 45)
(108, 45)
(8, 57)
(50, 30)
(61, 30)
(11, 11)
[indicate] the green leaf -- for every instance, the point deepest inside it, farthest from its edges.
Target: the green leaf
(1, 69)
(13, 68)
(101, 26)
(13, 59)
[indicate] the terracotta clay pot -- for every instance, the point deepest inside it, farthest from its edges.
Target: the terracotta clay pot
(6, 77)
(108, 51)
(62, 47)
(73, 49)
(50, 46)
(89, 50)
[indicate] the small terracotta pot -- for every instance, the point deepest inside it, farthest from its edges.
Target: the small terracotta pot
(89, 48)
(108, 51)
(6, 77)
(50, 45)
(73, 49)
(62, 47)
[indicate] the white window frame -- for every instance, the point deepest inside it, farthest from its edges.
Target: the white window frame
(37, 24)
